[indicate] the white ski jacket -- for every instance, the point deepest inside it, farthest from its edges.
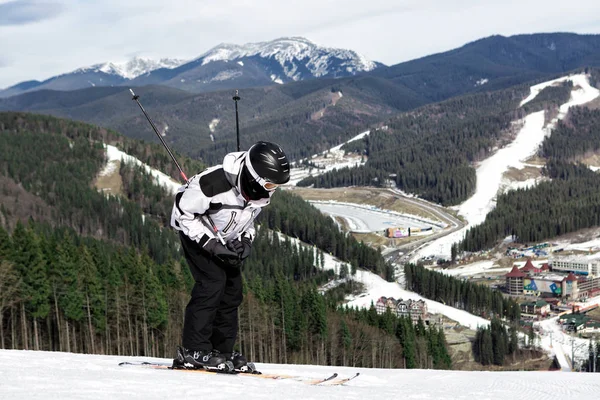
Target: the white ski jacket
(215, 193)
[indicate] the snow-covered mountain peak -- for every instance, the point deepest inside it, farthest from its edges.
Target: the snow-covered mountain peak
(288, 52)
(133, 68)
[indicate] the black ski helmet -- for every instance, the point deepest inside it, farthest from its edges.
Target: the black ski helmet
(265, 167)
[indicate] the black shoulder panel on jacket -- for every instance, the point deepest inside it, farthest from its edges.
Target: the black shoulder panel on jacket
(214, 182)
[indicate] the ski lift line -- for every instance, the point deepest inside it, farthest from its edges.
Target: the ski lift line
(136, 98)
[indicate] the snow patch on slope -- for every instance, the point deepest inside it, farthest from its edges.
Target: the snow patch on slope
(377, 287)
(328, 160)
(114, 155)
(583, 95)
(476, 268)
(226, 75)
(276, 79)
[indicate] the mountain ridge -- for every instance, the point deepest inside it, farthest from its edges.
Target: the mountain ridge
(280, 60)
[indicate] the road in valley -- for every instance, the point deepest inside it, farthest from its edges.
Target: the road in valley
(402, 253)
(364, 219)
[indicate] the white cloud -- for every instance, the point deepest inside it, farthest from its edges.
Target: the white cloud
(19, 12)
(86, 32)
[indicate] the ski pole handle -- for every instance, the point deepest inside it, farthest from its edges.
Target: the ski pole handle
(216, 230)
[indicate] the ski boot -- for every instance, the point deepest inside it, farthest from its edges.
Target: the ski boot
(208, 360)
(240, 364)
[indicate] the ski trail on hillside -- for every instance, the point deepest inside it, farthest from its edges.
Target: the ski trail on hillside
(114, 155)
(490, 171)
(336, 159)
(376, 287)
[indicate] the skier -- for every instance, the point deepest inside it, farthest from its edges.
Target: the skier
(214, 214)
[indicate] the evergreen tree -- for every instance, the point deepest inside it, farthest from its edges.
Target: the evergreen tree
(487, 350)
(5, 244)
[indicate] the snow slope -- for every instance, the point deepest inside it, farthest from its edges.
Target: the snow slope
(329, 160)
(490, 171)
(563, 345)
(28, 375)
(476, 268)
(114, 155)
(376, 287)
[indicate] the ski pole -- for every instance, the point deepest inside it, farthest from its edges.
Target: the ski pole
(136, 98)
(237, 122)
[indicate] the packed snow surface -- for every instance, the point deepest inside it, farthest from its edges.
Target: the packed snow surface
(490, 171)
(66, 376)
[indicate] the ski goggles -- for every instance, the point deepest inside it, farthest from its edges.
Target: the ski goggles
(269, 186)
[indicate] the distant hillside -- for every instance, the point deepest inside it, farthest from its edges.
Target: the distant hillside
(51, 165)
(431, 151)
(304, 117)
(570, 194)
(309, 116)
(494, 62)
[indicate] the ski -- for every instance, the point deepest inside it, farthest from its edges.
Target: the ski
(252, 373)
(342, 381)
(320, 381)
(158, 365)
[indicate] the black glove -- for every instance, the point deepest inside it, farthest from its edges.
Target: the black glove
(217, 249)
(241, 247)
(247, 247)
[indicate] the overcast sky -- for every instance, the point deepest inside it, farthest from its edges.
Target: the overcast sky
(43, 38)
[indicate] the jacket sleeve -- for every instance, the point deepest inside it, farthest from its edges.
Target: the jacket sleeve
(250, 232)
(188, 210)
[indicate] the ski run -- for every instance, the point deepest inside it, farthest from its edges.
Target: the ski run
(490, 171)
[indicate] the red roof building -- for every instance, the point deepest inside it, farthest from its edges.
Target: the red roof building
(530, 269)
(514, 281)
(571, 277)
(515, 273)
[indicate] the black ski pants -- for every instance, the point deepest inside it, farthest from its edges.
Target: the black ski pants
(211, 316)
